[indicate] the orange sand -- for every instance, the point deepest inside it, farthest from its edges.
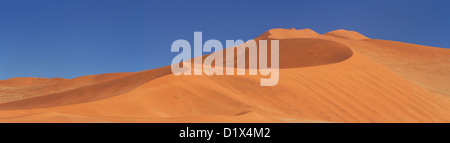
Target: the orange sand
(340, 76)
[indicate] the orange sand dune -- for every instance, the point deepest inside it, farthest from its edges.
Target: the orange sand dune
(341, 76)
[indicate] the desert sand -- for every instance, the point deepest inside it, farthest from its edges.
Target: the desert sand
(339, 76)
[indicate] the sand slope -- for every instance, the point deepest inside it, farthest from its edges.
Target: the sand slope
(341, 76)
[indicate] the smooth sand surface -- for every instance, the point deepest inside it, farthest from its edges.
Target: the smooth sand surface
(340, 76)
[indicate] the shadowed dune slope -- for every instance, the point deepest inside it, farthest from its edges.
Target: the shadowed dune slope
(84, 89)
(323, 79)
(306, 52)
(300, 52)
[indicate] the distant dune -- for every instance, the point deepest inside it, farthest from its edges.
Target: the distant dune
(340, 76)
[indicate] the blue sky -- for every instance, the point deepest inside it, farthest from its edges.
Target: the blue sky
(71, 38)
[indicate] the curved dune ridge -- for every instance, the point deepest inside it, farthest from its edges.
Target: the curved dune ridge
(342, 33)
(340, 76)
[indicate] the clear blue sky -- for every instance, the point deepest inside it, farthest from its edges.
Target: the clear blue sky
(71, 38)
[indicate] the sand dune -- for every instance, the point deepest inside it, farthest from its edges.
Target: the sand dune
(340, 76)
